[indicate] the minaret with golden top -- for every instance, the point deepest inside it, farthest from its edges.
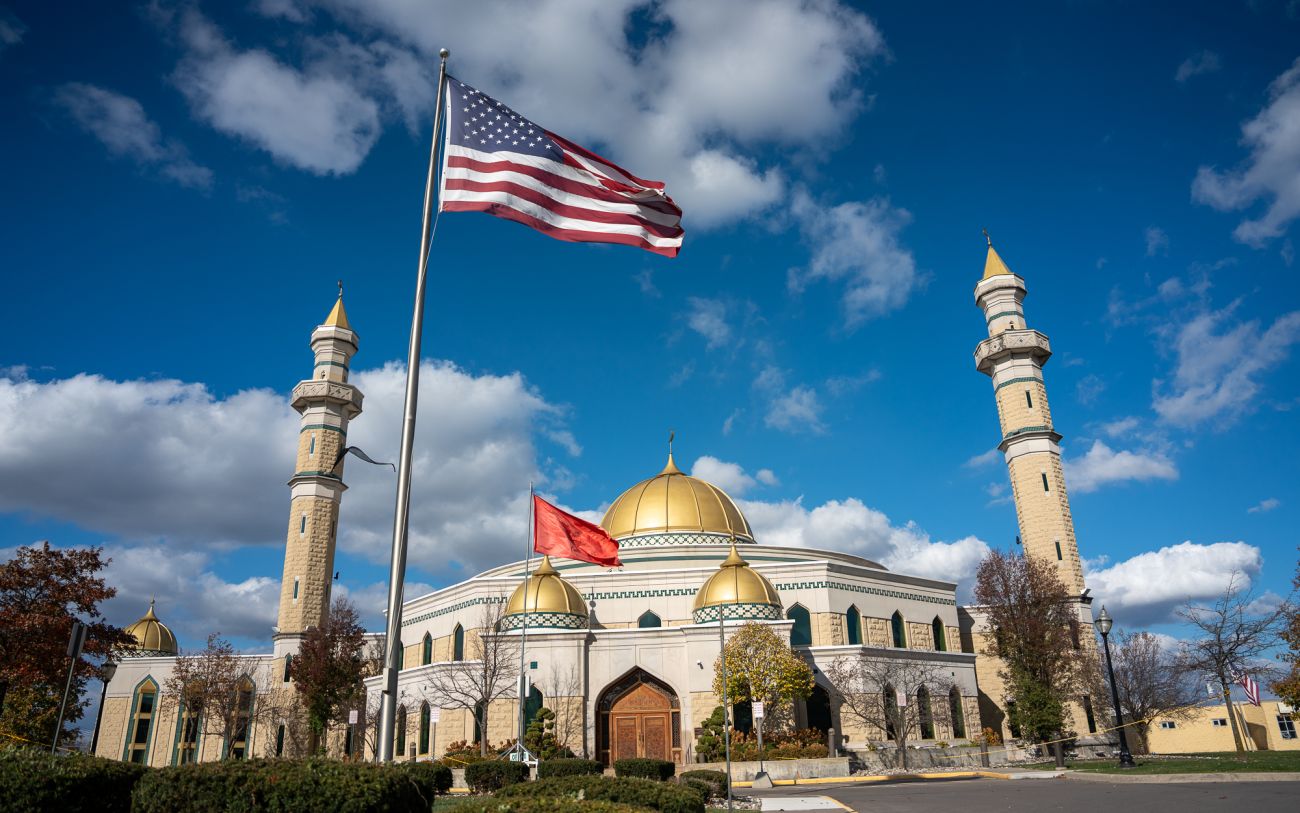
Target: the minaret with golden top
(1013, 356)
(327, 402)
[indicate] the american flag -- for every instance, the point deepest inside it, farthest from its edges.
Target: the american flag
(1252, 688)
(497, 161)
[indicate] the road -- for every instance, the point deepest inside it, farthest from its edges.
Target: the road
(1056, 795)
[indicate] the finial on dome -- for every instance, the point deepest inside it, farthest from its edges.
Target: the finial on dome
(545, 568)
(671, 468)
(733, 558)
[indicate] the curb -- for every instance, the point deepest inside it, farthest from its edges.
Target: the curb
(1171, 778)
(909, 777)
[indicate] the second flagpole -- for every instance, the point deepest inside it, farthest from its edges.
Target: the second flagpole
(402, 510)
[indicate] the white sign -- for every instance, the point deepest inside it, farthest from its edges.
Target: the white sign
(434, 714)
(758, 709)
(352, 717)
(902, 700)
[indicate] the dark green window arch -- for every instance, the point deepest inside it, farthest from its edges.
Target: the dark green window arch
(426, 651)
(458, 644)
(940, 641)
(955, 711)
(425, 717)
(649, 619)
(853, 620)
(899, 630)
(801, 634)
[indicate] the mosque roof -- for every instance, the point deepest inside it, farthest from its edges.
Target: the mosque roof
(338, 316)
(735, 582)
(546, 591)
(675, 503)
(151, 635)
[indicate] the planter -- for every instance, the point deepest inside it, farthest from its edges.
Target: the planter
(780, 768)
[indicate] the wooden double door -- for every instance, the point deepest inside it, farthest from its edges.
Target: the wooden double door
(640, 725)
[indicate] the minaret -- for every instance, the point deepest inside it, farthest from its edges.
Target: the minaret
(1014, 356)
(327, 402)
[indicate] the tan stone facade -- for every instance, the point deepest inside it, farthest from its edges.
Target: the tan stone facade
(1270, 726)
(1046, 525)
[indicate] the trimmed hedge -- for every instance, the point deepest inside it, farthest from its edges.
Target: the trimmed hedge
(662, 796)
(252, 786)
(31, 779)
(433, 779)
(660, 769)
(489, 777)
(716, 780)
(548, 768)
(704, 788)
(543, 805)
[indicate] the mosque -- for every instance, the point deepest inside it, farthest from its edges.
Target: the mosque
(624, 656)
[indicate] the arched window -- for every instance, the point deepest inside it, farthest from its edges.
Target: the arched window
(279, 740)
(237, 745)
(187, 735)
(924, 714)
(399, 733)
(900, 633)
(143, 705)
(424, 728)
(458, 643)
(426, 650)
(891, 709)
(479, 717)
(956, 713)
(853, 621)
(1013, 719)
(648, 619)
(801, 634)
(288, 663)
(1087, 713)
(936, 629)
(532, 705)
(1074, 634)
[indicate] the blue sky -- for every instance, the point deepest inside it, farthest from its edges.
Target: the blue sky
(185, 183)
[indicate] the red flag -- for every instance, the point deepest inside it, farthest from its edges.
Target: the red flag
(561, 534)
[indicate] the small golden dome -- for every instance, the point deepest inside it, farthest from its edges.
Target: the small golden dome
(993, 265)
(736, 583)
(338, 316)
(548, 600)
(675, 503)
(152, 637)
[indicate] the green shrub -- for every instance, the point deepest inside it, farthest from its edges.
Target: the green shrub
(660, 769)
(31, 779)
(489, 777)
(717, 780)
(543, 805)
(705, 788)
(252, 786)
(662, 796)
(433, 779)
(548, 768)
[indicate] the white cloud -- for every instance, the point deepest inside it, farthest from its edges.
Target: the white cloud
(852, 527)
(708, 317)
(798, 410)
(310, 119)
(1157, 241)
(121, 125)
(165, 460)
(1219, 365)
(858, 244)
(730, 422)
(1089, 388)
(1102, 465)
(1264, 506)
(730, 477)
(1119, 427)
(1272, 171)
(1147, 588)
(12, 30)
(984, 459)
(1197, 64)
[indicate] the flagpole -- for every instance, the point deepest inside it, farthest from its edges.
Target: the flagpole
(401, 511)
(523, 631)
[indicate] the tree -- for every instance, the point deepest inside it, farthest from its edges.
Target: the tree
(329, 668)
(1150, 681)
(42, 590)
(710, 745)
(1032, 626)
(564, 686)
(216, 688)
(1236, 633)
(489, 673)
(886, 694)
(762, 667)
(540, 738)
(1288, 687)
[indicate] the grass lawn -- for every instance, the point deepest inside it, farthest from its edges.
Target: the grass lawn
(450, 802)
(1220, 762)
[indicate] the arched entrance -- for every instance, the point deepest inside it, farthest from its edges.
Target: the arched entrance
(639, 716)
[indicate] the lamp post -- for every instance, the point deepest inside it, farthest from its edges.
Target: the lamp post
(106, 672)
(1104, 622)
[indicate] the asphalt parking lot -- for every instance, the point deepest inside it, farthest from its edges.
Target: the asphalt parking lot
(1064, 795)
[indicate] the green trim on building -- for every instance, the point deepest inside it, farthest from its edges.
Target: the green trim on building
(132, 711)
(326, 474)
(1021, 380)
(1000, 314)
(331, 364)
(326, 427)
(737, 612)
(1022, 430)
(546, 620)
(874, 591)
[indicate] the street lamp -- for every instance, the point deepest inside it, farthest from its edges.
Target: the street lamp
(1104, 622)
(106, 672)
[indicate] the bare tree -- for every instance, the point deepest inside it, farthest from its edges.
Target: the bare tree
(1237, 631)
(489, 673)
(569, 723)
(903, 698)
(214, 690)
(1151, 681)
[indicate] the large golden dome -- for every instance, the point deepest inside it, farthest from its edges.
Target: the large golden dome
(677, 506)
(736, 591)
(547, 600)
(152, 637)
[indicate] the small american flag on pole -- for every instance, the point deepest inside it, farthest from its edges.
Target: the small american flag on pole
(1250, 686)
(497, 161)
